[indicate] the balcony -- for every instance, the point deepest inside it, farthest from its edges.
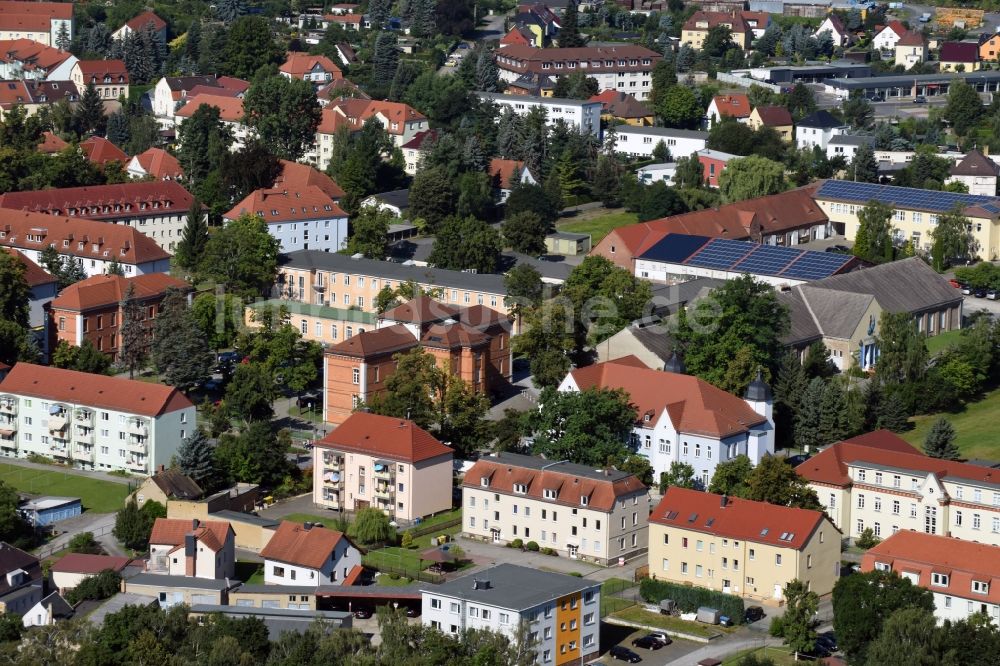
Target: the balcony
(84, 454)
(137, 465)
(385, 491)
(84, 436)
(319, 286)
(8, 426)
(56, 422)
(59, 451)
(137, 428)
(83, 417)
(8, 406)
(383, 471)
(137, 447)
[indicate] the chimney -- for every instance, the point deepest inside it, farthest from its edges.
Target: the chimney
(190, 553)
(724, 501)
(195, 523)
(160, 468)
(480, 584)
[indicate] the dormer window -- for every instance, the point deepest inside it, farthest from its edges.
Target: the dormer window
(980, 587)
(484, 482)
(584, 500)
(520, 488)
(939, 579)
(883, 566)
(551, 493)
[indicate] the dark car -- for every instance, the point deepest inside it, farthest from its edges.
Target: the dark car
(412, 611)
(212, 385)
(919, 99)
(647, 642)
(363, 613)
(622, 653)
(827, 642)
(230, 357)
(839, 248)
(979, 292)
(753, 614)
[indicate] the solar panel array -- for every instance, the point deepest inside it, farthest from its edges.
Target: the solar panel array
(746, 257)
(903, 197)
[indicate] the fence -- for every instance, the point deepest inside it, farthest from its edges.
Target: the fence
(746, 81)
(617, 595)
(408, 572)
(436, 528)
(58, 544)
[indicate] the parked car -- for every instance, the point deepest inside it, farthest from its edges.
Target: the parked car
(753, 614)
(955, 283)
(647, 642)
(622, 653)
(980, 292)
(230, 357)
(725, 621)
(919, 99)
(363, 613)
(992, 294)
(838, 248)
(660, 636)
(966, 289)
(412, 611)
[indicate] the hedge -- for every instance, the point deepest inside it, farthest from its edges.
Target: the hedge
(690, 599)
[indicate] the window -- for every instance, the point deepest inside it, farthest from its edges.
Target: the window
(684, 568)
(666, 564)
(878, 503)
(980, 587)
(752, 554)
(777, 559)
(504, 618)
(861, 501)
(939, 579)
(697, 571)
(883, 566)
(976, 521)
(279, 572)
(355, 375)
(454, 607)
(895, 507)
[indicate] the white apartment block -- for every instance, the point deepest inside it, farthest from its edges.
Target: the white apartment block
(593, 515)
(92, 422)
(561, 614)
(641, 141)
(581, 115)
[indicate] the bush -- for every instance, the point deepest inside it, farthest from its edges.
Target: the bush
(867, 539)
(690, 599)
(532, 546)
(84, 542)
(101, 586)
(407, 539)
(393, 575)
(516, 543)
(548, 551)
(576, 573)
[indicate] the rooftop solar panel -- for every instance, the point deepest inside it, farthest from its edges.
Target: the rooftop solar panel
(769, 260)
(720, 253)
(903, 196)
(674, 248)
(816, 265)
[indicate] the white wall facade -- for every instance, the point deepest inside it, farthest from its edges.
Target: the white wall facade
(664, 272)
(328, 235)
(581, 115)
(92, 267)
(640, 142)
(807, 137)
(653, 173)
(333, 572)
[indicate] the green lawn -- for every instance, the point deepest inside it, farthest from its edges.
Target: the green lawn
(441, 518)
(395, 558)
(645, 617)
(975, 427)
(328, 521)
(387, 581)
(97, 495)
(780, 656)
(942, 341)
(251, 573)
(598, 223)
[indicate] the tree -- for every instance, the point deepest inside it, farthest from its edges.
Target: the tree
(432, 197)
(378, 12)
(867, 539)
(133, 524)
(915, 630)
(731, 476)
(370, 233)
(89, 115)
(774, 481)
(681, 108)
(84, 542)
(964, 108)
(475, 195)
(409, 392)
(460, 416)
(680, 474)
(864, 168)
(134, 344)
(487, 74)
(524, 289)
(605, 298)
(953, 238)
(873, 240)
(371, 526)
(15, 294)
(257, 455)
(576, 86)
(525, 232)
(464, 244)
(863, 602)
(16, 344)
(902, 350)
(63, 39)
(284, 113)
(243, 255)
(547, 341)
(751, 177)
(422, 15)
(196, 458)
(14, 529)
(250, 46)
(250, 394)
(117, 129)
(191, 247)
(102, 586)
(588, 427)
(798, 624)
(940, 441)
(801, 101)
(180, 352)
(204, 144)
(718, 40)
(534, 198)
(657, 200)
(385, 60)
(569, 31)
(858, 111)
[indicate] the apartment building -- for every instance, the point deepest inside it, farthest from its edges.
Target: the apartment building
(317, 323)
(171, 92)
(95, 245)
(308, 554)
(508, 496)
(38, 21)
(230, 113)
(109, 77)
(681, 418)
(27, 59)
(401, 121)
(472, 343)
(561, 614)
(642, 141)
(741, 547)
(317, 69)
(158, 209)
(387, 463)
(92, 309)
(878, 481)
(329, 278)
(622, 67)
(915, 212)
(964, 577)
(91, 422)
(303, 218)
(582, 115)
(194, 548)
(696, 28)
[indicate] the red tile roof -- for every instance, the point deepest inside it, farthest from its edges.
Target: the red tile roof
(330, 121)
(353, 575)
(713, 19)
(571, 482)
(693, 405)
(31, 55)
(417, 142)
(56, 10)
(99, 202)
(774, 116)
(101, 291)
(371, 343)
(297, 65)
(884, 448)
(160, 164)
(341, 88)
(516, 36)
(897, 27)
(140, 21)
(285, 205)
(735, 105)
(83, 388)
(296, 176)
(621, 105)
(737, 518)
(25, 22)
(502, 170)
(171, 532)
(14, 92)
(452, 336)
(78, 237)
(94, 71)
(421, 310)
(100, 151)
(964, 52)
(343, 18)
(912, 38)
(230, 108)
(357, 111)
(385, 436)
(923, 554)
(34, 274)
(51, 144)
(292, 543)
(83, 563)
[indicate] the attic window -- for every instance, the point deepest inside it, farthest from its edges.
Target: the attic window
(484, 482)
(764, 532)
(584, 500)
(672, 515)
(520, 488)
(693, 517)
(647, 416)
(550, 493)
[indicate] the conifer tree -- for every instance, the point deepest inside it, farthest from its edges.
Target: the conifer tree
(196, 458)
(132, 333)
(940, 441)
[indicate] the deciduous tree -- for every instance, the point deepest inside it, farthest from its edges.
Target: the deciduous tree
(371, 526)
(250, 46)
(251, 393)
(775, 482)
(873, 240)
(525, 232)
(133, 345)
(751, 177)
(370, 233)
(242, 256)
(466, 243)
(14, 290)
(284, 113)
(588, 427)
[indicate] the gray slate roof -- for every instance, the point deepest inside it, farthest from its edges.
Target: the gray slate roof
(249, 518)
(512, 587)
(280, 620)
(118, 602)
(160, 580)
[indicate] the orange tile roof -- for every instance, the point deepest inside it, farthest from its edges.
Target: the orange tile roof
(735, 105)
(330, 121)
(737, 518)
(230, 108)
(343, 18)
(56, 10)
(298, 65)
(31, 55)
(100, 151)
(94, 71)
(371, 343)
(295, 176)
(169, 197)
(85, 563)
(570, 481)
(25, 22)
(693, 405)
(620, 104)
(292, 543)
(452, 336)
(516, 36)
(882, 447)
(353, 575)
(140, 21)
(897, 27)
(421, 310)
(34, 274)
(357, 111)
(912, 38)
(501, 171)
(713, 19)
(285, 205)
(171, 532)
(101, 291)
(160, 164)
(51, 144)
(385, 436)
(83, 388)
(14, 92)
(923, 554)
(124, 243)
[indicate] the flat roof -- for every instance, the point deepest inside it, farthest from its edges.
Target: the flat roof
(568, 235)
(908, 80)
(240, 517)
(269, 612)
(374, 592)
(275, 589)
(512, 587)
(118, 602)
(161, 580)
(42, 503)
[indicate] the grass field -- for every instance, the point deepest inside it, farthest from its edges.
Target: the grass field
(780, 656)
(942, 341)
(975, 428)
(598, 223)
(644, 617)
(96, 495)
(309, 518)
(251, 573)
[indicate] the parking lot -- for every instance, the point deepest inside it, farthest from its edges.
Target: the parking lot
(612, 635)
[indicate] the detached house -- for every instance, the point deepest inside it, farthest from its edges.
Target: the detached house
(502, 173)
(109, 77)
(21, 581)
(817, 129)
(959, 57)
(910, 49)
(317, 69)
(697, 27)
(887, 38)
(776, 117)
(301, 219)
(139, 23)
(157, 163)
(193, 548)
(977, 172)
(841, 36)
(308, 554)
(736, 105)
